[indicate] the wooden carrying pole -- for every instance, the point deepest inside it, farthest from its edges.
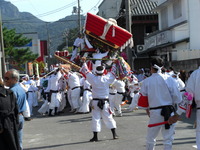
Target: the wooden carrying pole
(68, 62)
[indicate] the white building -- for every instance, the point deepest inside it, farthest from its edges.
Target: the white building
(177, 40)
(109, 8)
(34, 45)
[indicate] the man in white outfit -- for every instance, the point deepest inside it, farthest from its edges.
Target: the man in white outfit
(31, 96)
(77, 44)
(162, 93)
(74, 90)
(62, 89)
(87, 97)
(134, 89)
(54, 93)
(46, 89)
(193, 86)
(100, 93)
(120, 87)
(112, 92)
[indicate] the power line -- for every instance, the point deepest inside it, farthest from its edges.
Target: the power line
(46, 13)
(93, 7)
(15, 22)
(49, 13)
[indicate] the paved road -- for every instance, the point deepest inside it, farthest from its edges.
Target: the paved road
(70, 131)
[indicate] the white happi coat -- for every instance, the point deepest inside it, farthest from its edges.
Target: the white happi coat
(100, 90)
(193, 85)
(161, 90)
(74, 90)
(180, 83)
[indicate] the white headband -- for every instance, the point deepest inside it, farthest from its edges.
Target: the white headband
(100, 71)
(157, 67)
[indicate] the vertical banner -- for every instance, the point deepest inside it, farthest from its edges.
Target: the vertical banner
(30, 69)
(36, 69)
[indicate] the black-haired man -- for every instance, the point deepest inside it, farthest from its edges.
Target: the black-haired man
(162, 93)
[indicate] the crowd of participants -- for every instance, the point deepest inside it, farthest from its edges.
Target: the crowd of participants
(63, 87)
(72, 90)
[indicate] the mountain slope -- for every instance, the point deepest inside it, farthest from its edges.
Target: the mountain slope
(25, 22)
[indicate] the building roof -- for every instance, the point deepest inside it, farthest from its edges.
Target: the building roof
(141, 7)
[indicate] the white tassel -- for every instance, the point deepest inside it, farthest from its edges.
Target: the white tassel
(113, 31)
(87, 42)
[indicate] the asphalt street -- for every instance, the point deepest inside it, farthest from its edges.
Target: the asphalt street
(70, 131)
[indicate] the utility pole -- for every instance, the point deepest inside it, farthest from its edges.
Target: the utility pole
(48, 47)
(79, 17)
(128, 27)
(2, 54)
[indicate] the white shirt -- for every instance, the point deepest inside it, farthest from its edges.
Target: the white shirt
(86, 85)
(180, 83)
(78, 42)
(100, 84)
(119, 85)
(53, 81)
(161, 90)
(112, 89)
(73, 80)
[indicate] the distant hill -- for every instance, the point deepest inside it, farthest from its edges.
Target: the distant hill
(25, 22)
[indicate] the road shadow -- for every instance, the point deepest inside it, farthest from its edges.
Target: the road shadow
(56, 146)
(82, 119)
(66, 144)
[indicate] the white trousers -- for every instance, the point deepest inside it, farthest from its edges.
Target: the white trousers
(134, 101)
(44, 108)
(152, 133)
(35, 100)
(63, 101)
(27, 113)
(112, 103)
(31, 100)
(87, 97)
(74, 98)
(55, 100)
(105, 114)
(118, 101)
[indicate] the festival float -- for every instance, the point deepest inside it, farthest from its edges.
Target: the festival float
(104, 40)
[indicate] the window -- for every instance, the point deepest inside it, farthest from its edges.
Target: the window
(177, 9)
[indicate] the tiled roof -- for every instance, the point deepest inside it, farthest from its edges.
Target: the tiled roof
(141, 7)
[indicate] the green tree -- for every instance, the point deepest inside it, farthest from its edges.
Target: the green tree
(13, 45)
(71, 37)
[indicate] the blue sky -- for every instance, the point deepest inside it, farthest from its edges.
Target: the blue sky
(53, 10)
